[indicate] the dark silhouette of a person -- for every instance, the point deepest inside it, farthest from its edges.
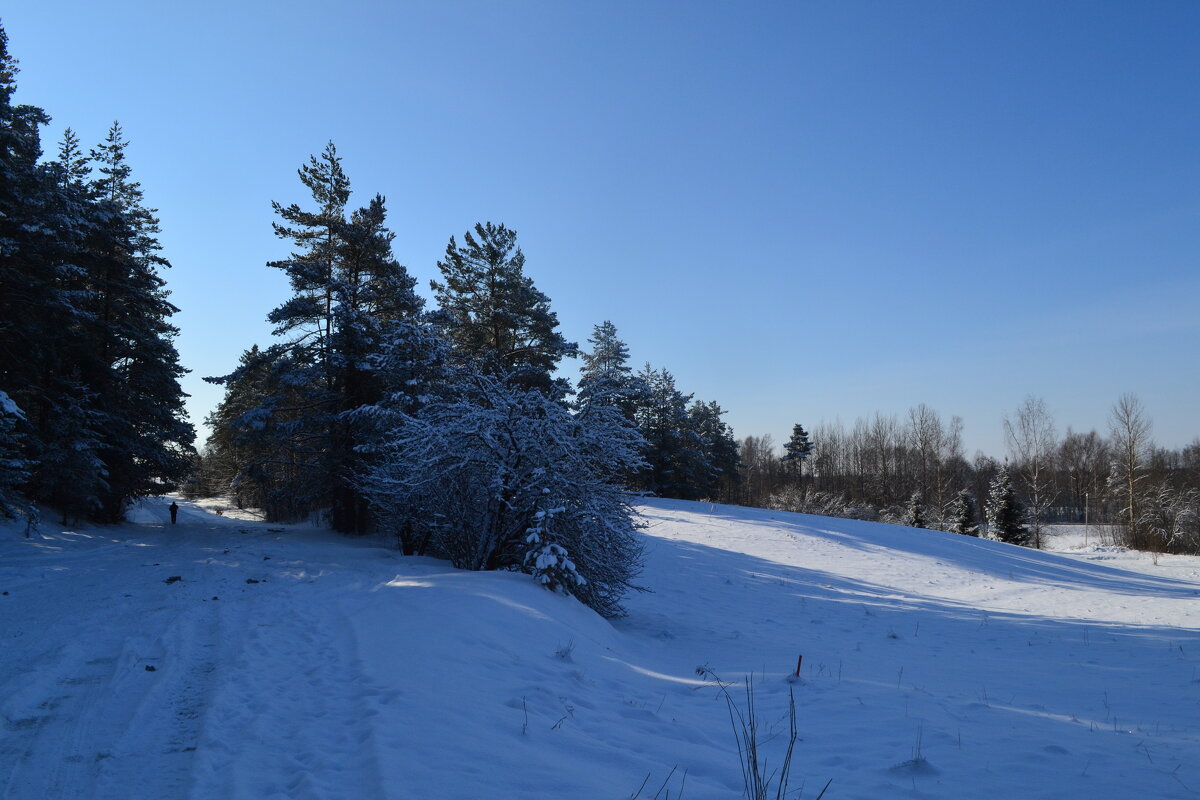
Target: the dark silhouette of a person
(174, 509)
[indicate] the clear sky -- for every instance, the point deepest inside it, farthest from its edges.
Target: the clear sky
(804, 210)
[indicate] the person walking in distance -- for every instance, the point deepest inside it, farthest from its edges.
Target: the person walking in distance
(174, 509)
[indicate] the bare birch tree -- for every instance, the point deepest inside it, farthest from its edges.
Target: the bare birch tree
(1032, 442)
(1130, 431)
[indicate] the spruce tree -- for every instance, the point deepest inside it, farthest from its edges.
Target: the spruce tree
(1005, 515)
(14, 469)
(606, 377)
(673, 449)
(71, 474)
(32, 319)
(963, 514)
(915, 513)
(86, 346)
(132, 366)
(493, 314)
(242, 439)
(718, 473)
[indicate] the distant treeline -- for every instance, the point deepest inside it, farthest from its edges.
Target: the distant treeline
(875, 468)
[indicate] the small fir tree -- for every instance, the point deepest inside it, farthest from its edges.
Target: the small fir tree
(915, 513)
(1006, 516)
(606, 377)
(963, 514)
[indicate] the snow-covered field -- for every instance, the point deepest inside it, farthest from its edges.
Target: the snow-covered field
(291, 662)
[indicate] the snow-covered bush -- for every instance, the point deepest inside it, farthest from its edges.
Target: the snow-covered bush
(807, 501)
(1168, 521)
(467, 476)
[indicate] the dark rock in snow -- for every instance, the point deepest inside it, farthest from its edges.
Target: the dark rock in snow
(173, 579)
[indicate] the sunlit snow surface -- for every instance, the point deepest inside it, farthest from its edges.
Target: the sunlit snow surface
(934, 665)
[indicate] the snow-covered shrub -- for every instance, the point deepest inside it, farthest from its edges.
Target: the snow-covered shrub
(466, 476)
(1168, 521)
(807, 501)
(893, 515)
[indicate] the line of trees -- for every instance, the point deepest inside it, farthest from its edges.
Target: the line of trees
(451, 427)
(91, 410)
(913, 470)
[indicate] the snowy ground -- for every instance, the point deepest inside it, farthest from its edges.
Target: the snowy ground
(290, 662)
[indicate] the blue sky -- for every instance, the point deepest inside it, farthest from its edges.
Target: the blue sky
(805, 211)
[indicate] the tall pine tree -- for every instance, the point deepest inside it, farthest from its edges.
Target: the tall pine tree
(305, 436)
(86, 346)
(797, 450)
(132, 366)
(606, 377)
(493, 314)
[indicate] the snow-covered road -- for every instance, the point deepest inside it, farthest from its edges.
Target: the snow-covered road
(118, 679)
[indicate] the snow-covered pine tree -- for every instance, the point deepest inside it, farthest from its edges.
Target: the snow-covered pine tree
(607, 380)
(14, 468)
(373, 294)
(241, 445)
(547, 561)
(31, 322)
(963, 514)
(71, 474)
(1005, 516)
(132, 366)
(85, 341)
(915, 513)
(719, 476)
(606, 376)
(302, 442)
(674, 452)
(492, 312)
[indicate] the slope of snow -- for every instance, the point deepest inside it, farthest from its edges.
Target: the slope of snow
(289, 662)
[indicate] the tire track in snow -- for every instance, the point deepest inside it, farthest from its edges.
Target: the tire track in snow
(97, 711)
(106, 669)
(292, 718)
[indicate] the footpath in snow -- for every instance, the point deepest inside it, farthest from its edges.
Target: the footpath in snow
(289, 662)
